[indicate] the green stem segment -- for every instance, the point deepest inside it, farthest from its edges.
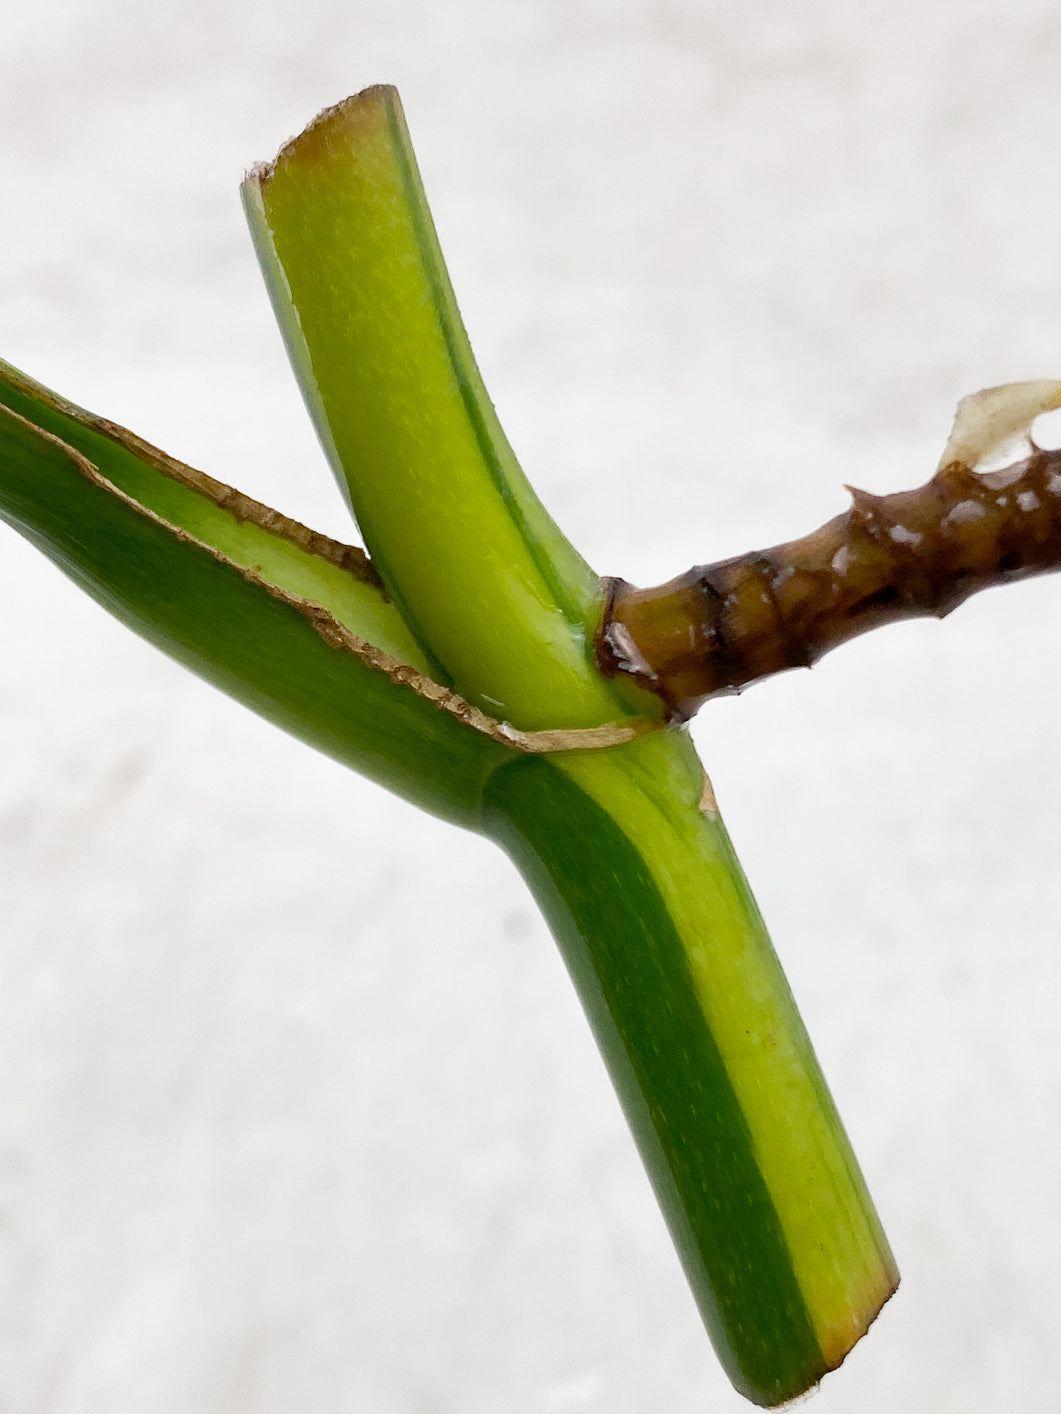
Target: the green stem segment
(248, 599)
(752, 1169)
(495, 594)
(769, 1211)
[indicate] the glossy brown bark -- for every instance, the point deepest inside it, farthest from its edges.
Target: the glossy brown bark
(720, 627)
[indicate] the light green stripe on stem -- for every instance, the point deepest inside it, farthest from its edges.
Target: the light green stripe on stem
(484, 578)
(841, 1259)
(282, 552)
(258, 643)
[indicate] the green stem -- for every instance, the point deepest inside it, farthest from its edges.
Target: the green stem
(766, 1205)
(496, 595)
(244, 597)
(770, 1214)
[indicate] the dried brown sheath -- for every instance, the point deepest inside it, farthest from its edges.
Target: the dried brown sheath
(720, 627)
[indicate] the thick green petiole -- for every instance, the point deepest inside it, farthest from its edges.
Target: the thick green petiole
(495, 594)
(246, 598)
(777, 1233)
(736, 1128)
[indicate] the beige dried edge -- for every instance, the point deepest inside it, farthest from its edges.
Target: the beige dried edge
(708, 800)
(347, 557)
(366, 101)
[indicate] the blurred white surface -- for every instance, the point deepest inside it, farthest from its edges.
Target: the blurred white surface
(297, 1110)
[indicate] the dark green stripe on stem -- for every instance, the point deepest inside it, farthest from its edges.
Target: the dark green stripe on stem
(203, 611)
(629, 967)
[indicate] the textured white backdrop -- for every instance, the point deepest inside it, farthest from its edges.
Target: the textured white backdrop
(297, 1111)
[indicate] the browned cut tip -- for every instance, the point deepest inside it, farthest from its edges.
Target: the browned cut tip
(368, 106)
(866, 1324)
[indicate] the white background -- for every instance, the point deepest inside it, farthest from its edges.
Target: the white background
(297, 1110)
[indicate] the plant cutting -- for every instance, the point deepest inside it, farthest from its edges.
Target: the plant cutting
(472, 661)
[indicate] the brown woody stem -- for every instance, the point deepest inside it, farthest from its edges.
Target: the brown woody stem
(719, 627)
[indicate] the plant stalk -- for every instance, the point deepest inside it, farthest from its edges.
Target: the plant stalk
(780, 1241)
